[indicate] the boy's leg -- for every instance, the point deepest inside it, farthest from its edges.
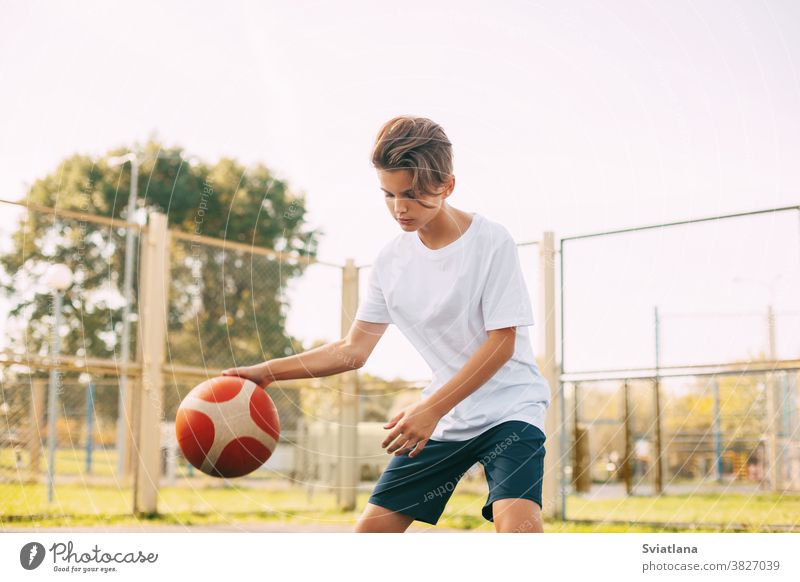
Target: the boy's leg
(517, 516)
(512, 454)
(377, 519)
(416, 488)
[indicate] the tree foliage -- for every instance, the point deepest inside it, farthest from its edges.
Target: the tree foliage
(225, 305)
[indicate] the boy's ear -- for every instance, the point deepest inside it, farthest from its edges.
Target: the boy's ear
(450, 187)
(446, 190)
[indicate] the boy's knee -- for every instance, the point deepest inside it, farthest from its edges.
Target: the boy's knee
(362, 527)
(374, 525)
(376, 519)
(517, 516)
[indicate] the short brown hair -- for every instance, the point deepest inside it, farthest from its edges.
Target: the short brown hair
(418, 145)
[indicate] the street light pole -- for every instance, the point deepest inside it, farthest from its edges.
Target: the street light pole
(123, 467)
(52, 398)
(122, 414)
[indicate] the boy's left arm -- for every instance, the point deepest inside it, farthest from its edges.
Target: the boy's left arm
(415, 424)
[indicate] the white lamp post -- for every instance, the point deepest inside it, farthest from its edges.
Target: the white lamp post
(58, 278)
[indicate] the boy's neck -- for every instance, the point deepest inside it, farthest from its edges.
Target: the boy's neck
(447, 227)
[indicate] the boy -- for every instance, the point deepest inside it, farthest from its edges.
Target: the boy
(452, 283)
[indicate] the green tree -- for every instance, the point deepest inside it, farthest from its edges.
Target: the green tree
(226, 305)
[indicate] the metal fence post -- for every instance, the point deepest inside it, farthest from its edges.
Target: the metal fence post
(89, 425)
(152, 327)
(774, 410)
(348, 401)
(659, 453)
(552, 486)
(718, 468)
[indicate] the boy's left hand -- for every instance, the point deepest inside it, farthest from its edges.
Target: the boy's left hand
(413, 427)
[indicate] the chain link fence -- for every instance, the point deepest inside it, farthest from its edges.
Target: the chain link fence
(680, 356)
(90, 331)
(716, 434)
(227, 306)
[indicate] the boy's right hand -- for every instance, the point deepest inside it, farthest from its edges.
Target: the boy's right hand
(257, 374)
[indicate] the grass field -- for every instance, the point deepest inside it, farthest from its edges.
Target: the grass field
(79, 505)
(68, 461)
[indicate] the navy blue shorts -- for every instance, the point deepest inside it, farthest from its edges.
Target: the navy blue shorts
(512, 455)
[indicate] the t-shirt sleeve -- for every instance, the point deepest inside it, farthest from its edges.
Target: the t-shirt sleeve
(373, 308)
(505, 300)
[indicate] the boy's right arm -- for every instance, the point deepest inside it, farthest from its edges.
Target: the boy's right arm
(348, 353)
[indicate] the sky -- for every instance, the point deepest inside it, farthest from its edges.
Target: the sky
(571, 117)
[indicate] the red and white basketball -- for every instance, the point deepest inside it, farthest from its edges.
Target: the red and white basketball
(227, 426)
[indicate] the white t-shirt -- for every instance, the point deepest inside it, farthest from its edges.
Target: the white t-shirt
(444, 301)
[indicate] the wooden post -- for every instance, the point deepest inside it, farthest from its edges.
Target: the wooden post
(348, 401)
(553, 500)
(627, 460)
(657, 454)
(582, 479)
(36, 427)
(128, 410)
(772, 441)
(154, 289)
(581, 457)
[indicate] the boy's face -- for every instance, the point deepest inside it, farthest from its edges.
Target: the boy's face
(403, 204)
